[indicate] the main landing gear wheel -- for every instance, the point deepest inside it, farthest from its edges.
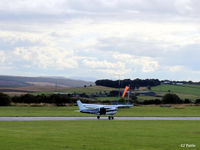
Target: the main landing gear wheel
(110, 117)
(98, 117)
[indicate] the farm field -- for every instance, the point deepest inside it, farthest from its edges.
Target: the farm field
(186, 91)
(143, 98)
(108, 98)
(72, 111)
(28, 89)
(139, 98)
(99, 135)
(87, 90)
(192, 85)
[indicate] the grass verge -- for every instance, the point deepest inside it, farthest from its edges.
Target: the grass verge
(174, 111)
(99, 135)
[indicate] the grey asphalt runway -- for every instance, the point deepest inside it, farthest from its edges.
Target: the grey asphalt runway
(94, 118)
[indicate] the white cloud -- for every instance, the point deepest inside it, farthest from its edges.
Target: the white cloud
(141, 9)
(144, 64)
(149, 65)
(47, 57)
(133, 44)
(122, 56)
(2, 57)
(36, 6)
(184, 6)
(107, 68)
(102, 64)
(175, 68)
(109, 38)
(114, 73)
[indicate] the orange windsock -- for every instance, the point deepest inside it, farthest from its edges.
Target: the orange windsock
(125, 90)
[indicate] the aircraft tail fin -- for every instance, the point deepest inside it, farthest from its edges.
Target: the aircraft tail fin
(80, 105)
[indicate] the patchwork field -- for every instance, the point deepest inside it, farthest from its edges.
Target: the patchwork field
(70, 111)
(11, 91)
(100, 135)
(87, 90)
(184, 91)
(108, 98)
(187, 91)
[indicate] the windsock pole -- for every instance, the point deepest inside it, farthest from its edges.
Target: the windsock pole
(129, 92)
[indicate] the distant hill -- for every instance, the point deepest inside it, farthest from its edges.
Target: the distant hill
(21, 81)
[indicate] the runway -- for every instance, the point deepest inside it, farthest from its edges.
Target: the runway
(93, 118)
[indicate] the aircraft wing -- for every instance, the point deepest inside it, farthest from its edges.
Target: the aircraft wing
(107, 106)
(93, 105)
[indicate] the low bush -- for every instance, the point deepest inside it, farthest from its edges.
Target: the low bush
(171, 99)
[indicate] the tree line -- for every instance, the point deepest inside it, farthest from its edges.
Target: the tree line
(136, 83)
(57, 99)
(62, 100)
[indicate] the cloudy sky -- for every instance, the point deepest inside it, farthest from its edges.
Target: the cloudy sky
(96, 39)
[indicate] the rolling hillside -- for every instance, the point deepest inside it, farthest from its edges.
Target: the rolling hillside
(19, 81)
(17, 85)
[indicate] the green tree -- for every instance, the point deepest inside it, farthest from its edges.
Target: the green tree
(171, 99)
(4, 100)
(149, 87)
(197, 101)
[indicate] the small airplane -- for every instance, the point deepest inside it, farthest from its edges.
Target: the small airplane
(109, 110)
(99, 110)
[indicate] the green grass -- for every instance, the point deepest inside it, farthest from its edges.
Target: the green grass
(143, 98)
(71, 111)
(185, 91)
(160, 111)
(108, 98)
(191, 85)
(99, 135)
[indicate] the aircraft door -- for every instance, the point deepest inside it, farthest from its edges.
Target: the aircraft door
(102, 111)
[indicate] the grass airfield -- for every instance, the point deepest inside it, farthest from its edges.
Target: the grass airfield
(104, 134)
(99, 135)
(72, 111)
